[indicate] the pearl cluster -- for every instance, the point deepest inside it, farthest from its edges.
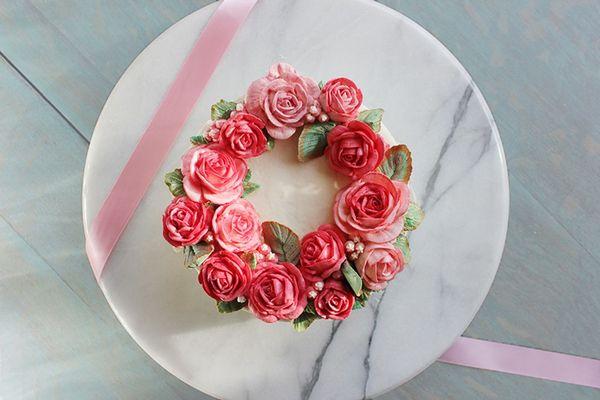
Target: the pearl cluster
(213, 129)
(318, 287)
(314, 114)
(264, 251)
(354, 247)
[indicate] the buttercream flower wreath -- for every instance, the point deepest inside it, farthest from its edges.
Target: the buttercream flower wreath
(266, 267)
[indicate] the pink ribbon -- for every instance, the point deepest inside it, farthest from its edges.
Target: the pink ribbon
(155, 144)
(524, 361)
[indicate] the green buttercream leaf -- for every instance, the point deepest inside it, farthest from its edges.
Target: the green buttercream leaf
(249, 187)
(313, 140)
(198, 140)
(361, 301)
(226, 307)
(397, 163)
(372, 118)
(195, 255)
(305, 319)
(250, 259)
(174, 181)
(413, 217)
(270, 143)
(402, 244)
(321, 84)
(282, 240)
(222, 109)
(352, 277)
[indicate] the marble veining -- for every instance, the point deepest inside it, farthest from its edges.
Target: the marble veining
(459, 176)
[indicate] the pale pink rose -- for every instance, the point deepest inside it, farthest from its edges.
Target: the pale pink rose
(211, 174)
(282, 99)
(321, 253)
(341, 99)
(236, 226)
(379, 264)
(225, 276)
(354, 149)
(372, 208)
(277, 292)
(242, 135)
(335, 301)
(185, 222)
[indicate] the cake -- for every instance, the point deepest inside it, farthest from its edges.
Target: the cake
(327, 226)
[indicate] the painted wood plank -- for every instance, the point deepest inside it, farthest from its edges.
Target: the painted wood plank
(74, 51)
(58, 337)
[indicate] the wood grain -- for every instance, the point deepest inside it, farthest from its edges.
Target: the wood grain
(536, 63)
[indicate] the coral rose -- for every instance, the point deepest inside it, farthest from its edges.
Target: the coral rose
(185, 222)
(354, 149)
(335, 301)
(225, 276)
(378, 264)
(211, 174)
(277, 292)
(236, 226)
(242, 135)
(341, 99)
(321, 253)
(282, 99)
(372, 208)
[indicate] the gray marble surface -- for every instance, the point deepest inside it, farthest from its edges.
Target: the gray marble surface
(536, 63)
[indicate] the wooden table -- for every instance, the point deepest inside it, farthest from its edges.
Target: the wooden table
(537, 64)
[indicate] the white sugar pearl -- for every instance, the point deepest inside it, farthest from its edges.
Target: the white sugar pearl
(310, 118)
(360, 247)
(313, 110)
(271, 257)
(354, 256)
(323, 117)
(312, 294)
(239, 106)
(264, 248)
(349, 246)
(241, 299)
(209, 238)
(259, 257)
(319, 285)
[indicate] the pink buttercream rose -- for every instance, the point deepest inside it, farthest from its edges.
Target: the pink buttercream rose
(242, 135)
(225, 276)
(236, 226)
(211, 174)
(282, 99)
(379, 264)
(277, 292)
(335, 301)
(354, 149)
(372, 208)
(321, 253)
(185, 222)
(341, 99)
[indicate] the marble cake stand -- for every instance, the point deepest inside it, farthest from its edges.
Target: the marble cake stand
(459, 177)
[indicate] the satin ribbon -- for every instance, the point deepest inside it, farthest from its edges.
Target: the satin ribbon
(155, 144)
(524, 361)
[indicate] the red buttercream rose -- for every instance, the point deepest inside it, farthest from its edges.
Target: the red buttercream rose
(242, 135)
(185, 222)
(211, 174)
(372, 208)
(321, 253)
(335, 301)
(236, 226)
(341, 99)
(277, 292)
(354, 149)
(225, 276)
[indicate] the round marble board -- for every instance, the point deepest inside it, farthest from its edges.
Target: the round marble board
(459, 177)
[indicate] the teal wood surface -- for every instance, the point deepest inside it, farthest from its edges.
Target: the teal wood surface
(536, 63)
